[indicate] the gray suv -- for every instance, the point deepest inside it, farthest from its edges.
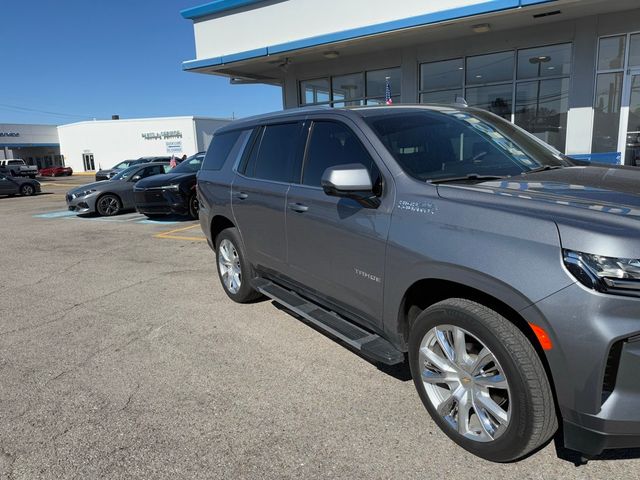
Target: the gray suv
(506, 274)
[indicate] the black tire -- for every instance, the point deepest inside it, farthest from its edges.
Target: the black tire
(532, 415)
(194, 206)
(245, 294)
(27, 190)
(108, 205)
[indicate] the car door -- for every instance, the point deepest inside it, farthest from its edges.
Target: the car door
(336, 246)
(259, 190)
(7, 187)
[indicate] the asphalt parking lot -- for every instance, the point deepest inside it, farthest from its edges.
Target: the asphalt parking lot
(121, 357)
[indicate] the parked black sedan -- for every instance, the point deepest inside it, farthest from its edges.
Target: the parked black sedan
(172, 193)
(18, 185)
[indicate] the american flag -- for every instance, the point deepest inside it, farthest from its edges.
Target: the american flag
(387, 92)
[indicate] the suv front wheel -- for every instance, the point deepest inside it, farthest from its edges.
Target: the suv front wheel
(481, 380)
(234, 270)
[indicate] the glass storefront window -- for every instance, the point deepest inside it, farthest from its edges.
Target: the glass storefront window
(443, 75)
(551, 61)
(353, 89)
(632, 156)
(541, 109)
(634, 50)
(611, 52)
(377, 82)
(492, 68)
(348, 88)
(606, 119)
(495, 98)
(313, 92)
(442, 96)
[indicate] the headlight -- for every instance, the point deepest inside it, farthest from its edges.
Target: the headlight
(605, 274)
(166, 187)
(83, 194)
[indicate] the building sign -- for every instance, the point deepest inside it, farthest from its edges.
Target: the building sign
(174, 147)
(162, 135)
(9, 134)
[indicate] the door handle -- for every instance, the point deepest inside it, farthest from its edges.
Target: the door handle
(241, 195)
(298, 207)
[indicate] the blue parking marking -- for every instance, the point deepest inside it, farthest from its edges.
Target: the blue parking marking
(127, 217)
(64, 213)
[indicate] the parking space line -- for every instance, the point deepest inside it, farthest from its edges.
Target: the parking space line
(170, 234)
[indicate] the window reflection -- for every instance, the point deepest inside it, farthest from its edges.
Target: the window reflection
(314, 91)
(495, 67)
(607, 112)
(611, 53)
(541, 109)
(443, 75)
(551, 61)
(495, 98)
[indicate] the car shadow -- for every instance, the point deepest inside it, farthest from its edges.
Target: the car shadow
(578, 459)
(400, 371)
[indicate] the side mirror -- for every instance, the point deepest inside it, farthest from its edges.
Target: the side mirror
(135, 178)
(350, 181)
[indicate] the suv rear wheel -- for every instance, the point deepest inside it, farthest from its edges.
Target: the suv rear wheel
(481, 380)
(234, 270)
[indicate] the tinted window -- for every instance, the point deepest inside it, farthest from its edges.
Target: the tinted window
(275, 153)
(334, 144)
(153, 170)
(432, 145)
(219, 150)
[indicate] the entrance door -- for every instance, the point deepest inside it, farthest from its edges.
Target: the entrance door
(630, 123)
(87, 160)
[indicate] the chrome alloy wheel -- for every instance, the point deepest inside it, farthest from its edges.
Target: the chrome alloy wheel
(229, 265)
(465, 383)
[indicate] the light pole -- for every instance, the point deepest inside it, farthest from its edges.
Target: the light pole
(539, 61)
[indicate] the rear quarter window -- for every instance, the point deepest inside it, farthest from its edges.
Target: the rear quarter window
(219, 149)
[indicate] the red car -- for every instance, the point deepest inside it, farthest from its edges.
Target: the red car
(55, 171)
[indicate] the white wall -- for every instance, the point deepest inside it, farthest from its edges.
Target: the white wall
(111, 141)
(27, 133)
(285, 21)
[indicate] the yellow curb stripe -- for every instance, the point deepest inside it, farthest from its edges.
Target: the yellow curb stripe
(169, 234)
(176, 237)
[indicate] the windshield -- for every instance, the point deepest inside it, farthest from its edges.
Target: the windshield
(126, 173)
(190, 165)
(437, 145)
(123, 165)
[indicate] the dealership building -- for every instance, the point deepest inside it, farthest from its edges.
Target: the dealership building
(91, 145)
(35, 144)
(88, 146)
(568, 71)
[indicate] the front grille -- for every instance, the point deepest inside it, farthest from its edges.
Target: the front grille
(69, 198)
(611, 370)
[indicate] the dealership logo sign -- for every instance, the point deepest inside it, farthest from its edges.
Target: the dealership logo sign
(162, 135)
(9, 134)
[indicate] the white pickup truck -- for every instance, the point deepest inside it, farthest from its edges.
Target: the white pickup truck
(16, 167)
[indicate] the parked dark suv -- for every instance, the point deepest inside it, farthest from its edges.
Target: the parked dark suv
(506, 274)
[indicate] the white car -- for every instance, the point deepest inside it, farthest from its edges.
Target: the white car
(17, 167)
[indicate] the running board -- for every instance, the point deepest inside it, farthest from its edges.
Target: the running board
(369, 344)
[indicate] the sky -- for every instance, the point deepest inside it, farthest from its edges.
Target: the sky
(64, 61)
